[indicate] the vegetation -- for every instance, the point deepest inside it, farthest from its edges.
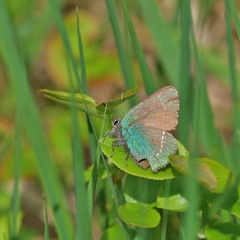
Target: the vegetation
(62, 69)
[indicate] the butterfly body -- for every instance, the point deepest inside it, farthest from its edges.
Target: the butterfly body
(143, 132)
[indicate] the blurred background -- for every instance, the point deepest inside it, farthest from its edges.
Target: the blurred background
(44, 58)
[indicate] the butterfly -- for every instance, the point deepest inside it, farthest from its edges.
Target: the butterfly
(144, 131)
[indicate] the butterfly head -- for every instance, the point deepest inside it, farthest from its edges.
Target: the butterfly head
(117, 128)
(116, 122)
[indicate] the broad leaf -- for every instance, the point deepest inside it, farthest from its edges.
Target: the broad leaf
(175, 203)
(213, 175)
(129, 166)
(139, 215)
(84, 102)
(223, 231)
(115, 232)
(66, 96)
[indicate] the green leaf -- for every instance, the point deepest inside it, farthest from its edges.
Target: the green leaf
(66, 96)
(139, 215)
(223, 231)
(116, 233)
(129, 166)
(117, 101)
(175, 203)
(233, 202)
(182, 151)
(228, 200)
(211, 174)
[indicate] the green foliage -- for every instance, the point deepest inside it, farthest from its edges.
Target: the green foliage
(115, 232)
(175, 203)
(224, 231)
(129, 166)
(139, 215)
(198, 193)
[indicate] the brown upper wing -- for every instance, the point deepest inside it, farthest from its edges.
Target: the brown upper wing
(159, 110)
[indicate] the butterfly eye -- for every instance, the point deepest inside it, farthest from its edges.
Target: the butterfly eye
(116, 122)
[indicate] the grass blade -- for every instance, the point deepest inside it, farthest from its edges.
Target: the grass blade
(235, 17)
(185, 88)
(206, 118)
(60, 24)
(82, 211)
(234, 83)
(145, 71)
(31, 121)
(167, 48)
(17, 174)
(46, 225)
(124, 57)
(81, 54)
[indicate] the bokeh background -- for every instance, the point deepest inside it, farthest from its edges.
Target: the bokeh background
(45, 60)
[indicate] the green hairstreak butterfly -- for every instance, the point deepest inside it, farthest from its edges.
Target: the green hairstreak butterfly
(144, 130)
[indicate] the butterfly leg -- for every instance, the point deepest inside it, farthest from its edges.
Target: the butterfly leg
(110, 134)
(127, 156)
(104, 137)
(115, 144)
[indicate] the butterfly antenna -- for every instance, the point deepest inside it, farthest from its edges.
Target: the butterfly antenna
(120, 112)
(105, 105)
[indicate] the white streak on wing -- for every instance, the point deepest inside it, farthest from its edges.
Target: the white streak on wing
(159, 96)
(162, 141)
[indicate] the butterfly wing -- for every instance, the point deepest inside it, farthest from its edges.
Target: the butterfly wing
(150, 143)
(160, 110)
